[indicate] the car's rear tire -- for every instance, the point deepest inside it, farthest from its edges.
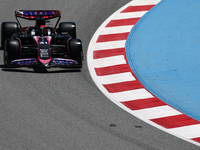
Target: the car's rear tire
(11, 51)
(68, 27)
(75, 50)
(7, 30)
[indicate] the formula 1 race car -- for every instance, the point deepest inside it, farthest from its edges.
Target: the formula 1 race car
(41, 45)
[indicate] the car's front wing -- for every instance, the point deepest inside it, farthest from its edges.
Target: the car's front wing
(55, 62)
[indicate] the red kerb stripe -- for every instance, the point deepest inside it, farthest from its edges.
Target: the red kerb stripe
(122, 22)
(112, 70)
(112, 37)
(108, 53)
(175, 121)
(137, 8)
(144, 103)
(123, 86)
(196, 139)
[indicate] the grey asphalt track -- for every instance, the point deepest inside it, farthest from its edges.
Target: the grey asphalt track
(59, 109)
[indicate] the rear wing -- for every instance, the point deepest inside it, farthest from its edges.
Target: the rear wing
(34, 14)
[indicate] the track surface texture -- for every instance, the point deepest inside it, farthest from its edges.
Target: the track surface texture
(59, 109)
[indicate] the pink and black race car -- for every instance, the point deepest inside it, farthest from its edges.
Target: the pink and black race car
(41, 45)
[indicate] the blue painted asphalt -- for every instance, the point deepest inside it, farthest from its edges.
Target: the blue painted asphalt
(163, 50)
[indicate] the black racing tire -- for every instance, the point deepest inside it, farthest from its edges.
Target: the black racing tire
(75, 50)
(11, 51)
(7, 30)
(69, 27)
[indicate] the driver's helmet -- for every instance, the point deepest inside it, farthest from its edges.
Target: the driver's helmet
(40, 22)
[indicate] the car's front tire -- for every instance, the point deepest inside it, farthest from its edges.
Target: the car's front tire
(75, 50)
(11, 51)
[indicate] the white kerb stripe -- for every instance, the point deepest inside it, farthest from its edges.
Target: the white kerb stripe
(145, 2)
(191, 131)
(132, 95)
(157, 112)
(109, 61)
(116, 78)
(129, 15)
(115, 30)
(109, 45)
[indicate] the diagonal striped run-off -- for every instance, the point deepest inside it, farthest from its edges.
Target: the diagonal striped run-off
(112, 72)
